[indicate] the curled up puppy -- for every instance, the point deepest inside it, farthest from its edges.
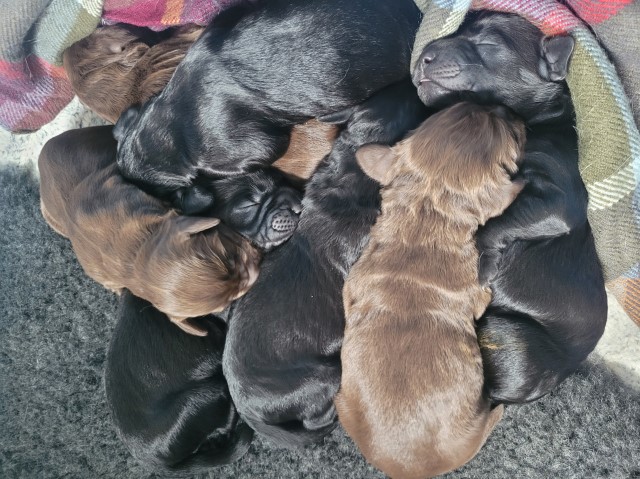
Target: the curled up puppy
(125, 238)
(119, 66)
(412, 378)
(166, 393)
(262, 70)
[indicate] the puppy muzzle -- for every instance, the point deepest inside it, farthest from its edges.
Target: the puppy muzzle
(443, 64)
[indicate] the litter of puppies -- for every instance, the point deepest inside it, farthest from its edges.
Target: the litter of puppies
(282, 169)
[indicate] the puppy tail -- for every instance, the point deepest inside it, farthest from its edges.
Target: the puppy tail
(522, 360)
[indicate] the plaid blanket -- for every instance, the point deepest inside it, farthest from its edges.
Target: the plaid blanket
(609, 142)
(34, 33)
(34, 88)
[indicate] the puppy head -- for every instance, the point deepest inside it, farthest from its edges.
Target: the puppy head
(102, 69)
(196, 267)
(465, 154)
(261, 206)
(496, 58)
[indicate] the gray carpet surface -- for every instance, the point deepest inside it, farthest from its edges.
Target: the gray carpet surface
(55, 325)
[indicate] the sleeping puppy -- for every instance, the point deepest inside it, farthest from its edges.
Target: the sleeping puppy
(282, 355)
(167, 395)
(262, 71)
(115, 68)
(118, 66)
(124, 238)
(412, 381)
(549, 306)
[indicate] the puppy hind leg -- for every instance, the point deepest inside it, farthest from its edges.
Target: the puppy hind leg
(322, 421)
(55, 225)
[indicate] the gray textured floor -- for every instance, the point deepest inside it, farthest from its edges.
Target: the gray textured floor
(54, 329)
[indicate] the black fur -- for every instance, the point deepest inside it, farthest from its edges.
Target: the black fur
(549, 306)
(167, 395)
(231, 103)
(282, 356)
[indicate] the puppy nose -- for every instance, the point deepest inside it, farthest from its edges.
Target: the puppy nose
(428, 56)
(283, 221)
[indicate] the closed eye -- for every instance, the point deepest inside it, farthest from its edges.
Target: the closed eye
(243, 205)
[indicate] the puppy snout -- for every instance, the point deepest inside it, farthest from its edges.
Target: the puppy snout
(284, 221)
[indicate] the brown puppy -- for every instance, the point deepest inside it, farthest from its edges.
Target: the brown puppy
(125, 238)
(113, 68)
(412, 380)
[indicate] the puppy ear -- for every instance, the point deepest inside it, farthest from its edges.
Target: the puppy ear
(376, 161)
(125, 121)
(191, 225)
(193, 200)
(555, 55)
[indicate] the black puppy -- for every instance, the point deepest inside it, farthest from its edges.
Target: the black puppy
(549, 306)
(166, 392)
(262, 206)
(282, 356)
(232, 101)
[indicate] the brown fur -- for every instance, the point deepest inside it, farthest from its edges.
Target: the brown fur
(112, 69)
(124, 238)
(310, 142)
(412, 380)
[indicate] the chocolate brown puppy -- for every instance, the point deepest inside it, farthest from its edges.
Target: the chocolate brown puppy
(124, 238)
(118, 66)
(412, 380)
